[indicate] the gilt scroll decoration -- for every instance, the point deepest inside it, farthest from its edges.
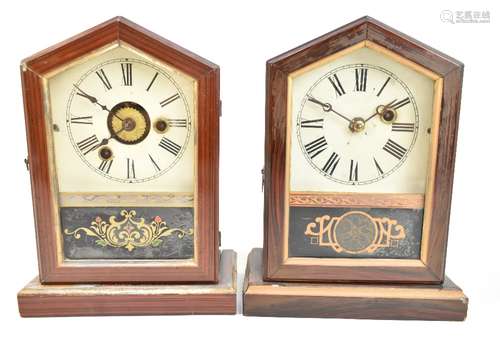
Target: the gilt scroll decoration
(355, 232)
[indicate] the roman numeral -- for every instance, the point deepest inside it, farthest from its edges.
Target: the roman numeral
(130, 169)
(100, 73)
(394, 149)
(169, 100)
(315, 123)
(170, 146)
(334, 80)
(403, 127)
(331, 163)
(127, 74)
(361, 74)
(152, 81)
(379, 169)
(105, 165)
(154, 163)
(87, 120)
(89, 144)
(315, 147)
(177, 122)
(383, 86)
(353, 171)
(400, 103)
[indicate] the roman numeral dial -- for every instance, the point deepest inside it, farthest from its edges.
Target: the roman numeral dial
(356, 125)
(131, 121)
(169, 100)
(316, 147)
(313, 123)
(127, 74)
(336, 84)
(361, 75)
(104, 78)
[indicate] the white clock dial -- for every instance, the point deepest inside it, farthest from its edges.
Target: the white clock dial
(123, 122)
(122, 126)
(357, 124)
(361, 123)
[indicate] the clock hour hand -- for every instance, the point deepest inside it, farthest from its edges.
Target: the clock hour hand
(327, 107)
(90, 98)
(105, 141)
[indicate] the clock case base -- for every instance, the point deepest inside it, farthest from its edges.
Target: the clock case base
(38, 300)
(444, 302)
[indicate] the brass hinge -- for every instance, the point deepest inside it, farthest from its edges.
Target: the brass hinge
(220, 241)
(220, 108)
(27, 163)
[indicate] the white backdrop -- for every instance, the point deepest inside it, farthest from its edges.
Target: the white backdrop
(240, 37)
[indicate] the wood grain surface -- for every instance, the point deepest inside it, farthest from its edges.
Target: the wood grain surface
(276, 264)
(358, 301)
(39, 300)
(52, 268)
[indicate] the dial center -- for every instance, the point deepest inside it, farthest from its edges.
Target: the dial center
(129, 123)
(357, 125)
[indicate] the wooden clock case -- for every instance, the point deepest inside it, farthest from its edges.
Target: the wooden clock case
(218, 284)
(263, 295)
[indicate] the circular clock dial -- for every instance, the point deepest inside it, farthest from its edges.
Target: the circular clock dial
(128, 120)
(357, 124)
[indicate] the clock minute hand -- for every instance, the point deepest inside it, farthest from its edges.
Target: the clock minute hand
(327, 107)
(91, 98)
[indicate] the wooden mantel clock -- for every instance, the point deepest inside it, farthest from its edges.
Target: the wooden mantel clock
(123, 140)
(361, 128)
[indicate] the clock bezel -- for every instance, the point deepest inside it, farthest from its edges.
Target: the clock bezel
(52, 266)
(447, 74)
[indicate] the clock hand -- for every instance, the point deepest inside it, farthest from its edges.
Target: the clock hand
(327, 107)
(106, 140)
(380, 110)
(93, 100)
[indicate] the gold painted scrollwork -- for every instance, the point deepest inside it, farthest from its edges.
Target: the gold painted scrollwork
(129, 233)
(355, 232)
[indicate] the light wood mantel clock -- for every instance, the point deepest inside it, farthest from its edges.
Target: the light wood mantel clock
(361, 128)
(123, 142)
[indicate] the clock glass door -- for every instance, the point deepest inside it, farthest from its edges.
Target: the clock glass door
(123, 134)
(360, 151)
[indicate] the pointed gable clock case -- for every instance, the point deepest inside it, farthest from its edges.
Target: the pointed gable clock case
(361, 130)
(123, 143)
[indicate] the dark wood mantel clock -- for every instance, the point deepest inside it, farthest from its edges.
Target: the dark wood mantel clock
(361, 128)
(123, 139)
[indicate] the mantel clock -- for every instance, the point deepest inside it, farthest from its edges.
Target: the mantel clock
(123, 140)
(361, 128)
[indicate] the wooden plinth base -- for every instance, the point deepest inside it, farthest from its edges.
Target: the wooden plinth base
(37, 300)
(359, 301)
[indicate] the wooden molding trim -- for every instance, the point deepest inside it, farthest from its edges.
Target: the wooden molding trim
(446, 71)
(349, 300)
(316, 199)
(33, 70)
(41, 300)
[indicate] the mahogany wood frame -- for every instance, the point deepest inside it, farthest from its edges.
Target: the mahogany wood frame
(445, 302)
(33, 69)
(430, 269)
